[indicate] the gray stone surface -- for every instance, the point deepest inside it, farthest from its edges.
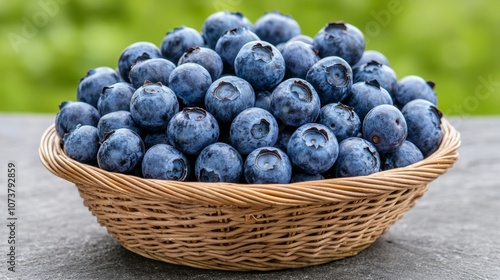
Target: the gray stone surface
(453, 232)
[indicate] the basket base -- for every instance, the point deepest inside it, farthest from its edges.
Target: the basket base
(244, 239)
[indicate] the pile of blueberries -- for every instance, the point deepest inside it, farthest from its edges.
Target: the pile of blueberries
(250, 103)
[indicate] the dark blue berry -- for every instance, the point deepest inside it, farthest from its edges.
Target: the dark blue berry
(121, 151)
(163, 161)
(313, 148)
(267, 165)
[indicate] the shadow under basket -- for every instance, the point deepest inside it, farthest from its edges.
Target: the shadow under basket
(240, 227)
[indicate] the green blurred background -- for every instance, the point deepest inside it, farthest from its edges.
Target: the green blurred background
(48, 45)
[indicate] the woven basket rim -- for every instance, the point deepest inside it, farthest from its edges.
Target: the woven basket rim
(416, 175)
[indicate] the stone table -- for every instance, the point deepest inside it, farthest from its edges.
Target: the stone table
(453, 232)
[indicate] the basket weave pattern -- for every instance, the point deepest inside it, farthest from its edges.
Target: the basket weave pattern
(249, 227)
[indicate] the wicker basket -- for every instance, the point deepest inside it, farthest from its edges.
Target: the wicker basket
(249, 227)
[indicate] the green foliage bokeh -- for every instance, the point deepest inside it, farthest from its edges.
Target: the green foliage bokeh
(48, 45)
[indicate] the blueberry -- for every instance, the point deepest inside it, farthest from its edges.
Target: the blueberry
(284, 135)
(157, 137)
(299, 58)
(134, 53)
(263, 100)
(253, 128)
(73, 113)
(219, 162)
(165, 162)
(154, 70)
(366, 95)
(177, 41)
(153, 105)
(313, 148)
(82, 144)
(341, 119)
(340, 39)
(303, 177)
(372, 55)
(121, 151)
(190, 82)
(275, 27)
(192, 129)
(357, 157)
(227, 97)
(302, 38)
(115, 120)
(205, 57)
(424, 125)
(217, 23)
(385, 127)
(373, 70)
(295, 102)
(261, 64)
(405, 155)
(230, 44)
(414, 87)
(267, 165)
(332, 78)
(115, 97)
(90, 87)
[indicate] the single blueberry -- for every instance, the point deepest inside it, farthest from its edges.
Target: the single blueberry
(115, 120)
(192, 129)
(295, 102)
(227, 97)
(177, 41)
(332, 78)
(414, 87)
(90, 87)
(82, 144)
(405, 155)
(267, 165)
(121, 151)
(153, 105)
(372, 55)
(219, 162)
(366, 95)
(115, 97)
(357, 157)
(284, 135)
(340, 39)
(302, 38)
(385, 127)
(313, 148)
(253, 128)
(261, 64)
(299, 58)
(341, 119)
(205, 57)
(424, 125)
(275, 27)
(134, 53)
(217, 23)
(373, 70)
(157, 137)
(190, 82)
(73, 113)
(154, 70)
(263, 100)
(230, 44)
(163, 161)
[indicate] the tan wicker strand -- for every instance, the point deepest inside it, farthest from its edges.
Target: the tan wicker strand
(249, 227)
